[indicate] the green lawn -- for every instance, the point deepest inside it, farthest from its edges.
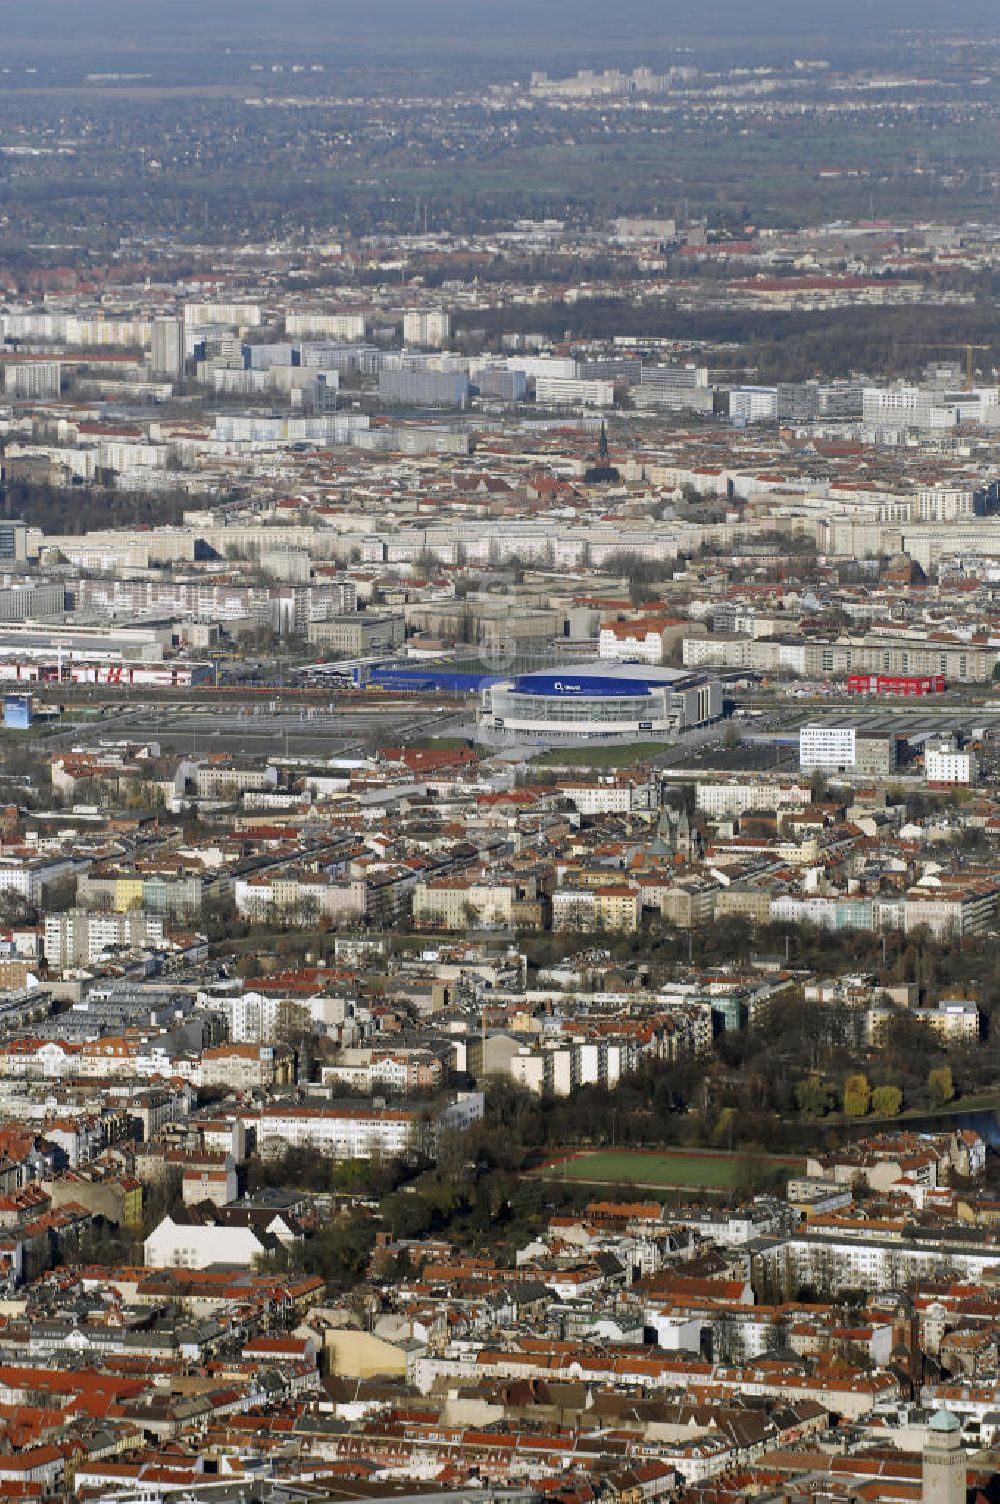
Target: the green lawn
(694, 1168)
(602, 757)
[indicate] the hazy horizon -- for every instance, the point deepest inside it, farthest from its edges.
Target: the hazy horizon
(118, 24)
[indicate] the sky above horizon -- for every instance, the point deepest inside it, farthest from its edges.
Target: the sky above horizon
(132, 22)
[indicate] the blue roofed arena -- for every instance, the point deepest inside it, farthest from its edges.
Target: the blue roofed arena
(598, 701)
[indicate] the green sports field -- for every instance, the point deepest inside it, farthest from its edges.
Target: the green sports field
(696, 1169)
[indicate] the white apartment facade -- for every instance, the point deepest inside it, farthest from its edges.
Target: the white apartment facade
(79, 937)
(730, 800)
(946, 764)
(350, 1133)
(630, 642)
(426, 326)
(828, 748)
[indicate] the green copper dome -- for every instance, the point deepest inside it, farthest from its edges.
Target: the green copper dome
(943, 1420)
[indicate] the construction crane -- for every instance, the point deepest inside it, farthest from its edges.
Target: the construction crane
(967, 346)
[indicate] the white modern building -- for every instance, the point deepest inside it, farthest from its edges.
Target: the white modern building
(558, 391)
(674, 387)
(539, 367)
(946, 764)
(426, 326)
(832, 749)
(753, 404)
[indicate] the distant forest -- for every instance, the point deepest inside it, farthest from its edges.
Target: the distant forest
(72, 510)
(789, 346)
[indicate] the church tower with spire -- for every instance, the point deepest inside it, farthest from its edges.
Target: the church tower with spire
(602, 472)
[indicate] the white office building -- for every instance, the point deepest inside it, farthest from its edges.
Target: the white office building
(537, 366)
(675, 387)
(559, 391)
(753, 404)
(832, 749)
